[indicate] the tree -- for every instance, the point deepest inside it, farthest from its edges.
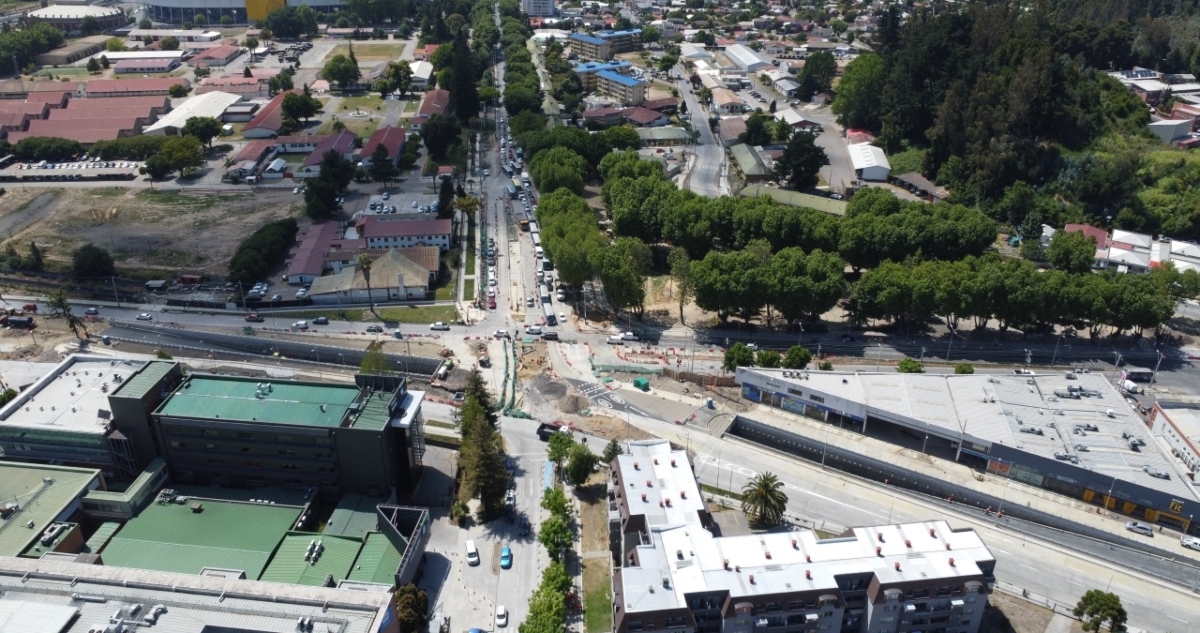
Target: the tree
(114, 45)
(580, 463)
(860, 93)
(300, 106)
(463, 86)
(446, 200)
(801, 162)
(559, 448)
(156, 167)
(1071, 251)
(203, 128)
(554, 501)
(342, 70)
(738, 355)
(964, 368)
(757, 130)
(555, 535)
(58, 302)
(145, 24)
(252, 44)
(226, 20)
(183, 153)
(681, 266)
(767, 358)
(363, 261)
(382, 169)
(439, 133)
(399, 75)
(266, 35)
(104, 63)
(612, 451)
(200, 19)
(169, 43)
(90, 260)
(910, 366)
(89, 25)
(1099, 609)
(763, 500)
(34, 261)
(817, 76)
(93, 66)
(797, 357)
(375, 363)
(622, 271)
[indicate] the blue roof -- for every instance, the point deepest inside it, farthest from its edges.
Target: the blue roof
(619, 78)
(584, 37)
(591, 67)
(607, 34)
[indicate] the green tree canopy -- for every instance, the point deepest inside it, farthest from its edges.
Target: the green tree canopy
(91, 261)
(801, 162)
(738, 355)
(1071, 251)
(1101, 610)
(860, 93)
(341, 70)
(203, 128)
(764, 500)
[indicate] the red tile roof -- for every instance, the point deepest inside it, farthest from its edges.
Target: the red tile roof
(270, 116)
(254, 149)
(390, 137)
(32, 108)
(13, 120)
(133, 86)
(158, 102)
(342, 143)
(87, 135)
(217, 52)
(1100, 234)
(641, 116)
(434, 102)
(308, 258)
(659, 104)
(601, 113)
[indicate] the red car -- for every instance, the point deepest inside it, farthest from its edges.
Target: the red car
(491, 304)
(255, 318)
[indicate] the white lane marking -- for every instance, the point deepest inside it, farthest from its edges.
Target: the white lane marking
(997, 549)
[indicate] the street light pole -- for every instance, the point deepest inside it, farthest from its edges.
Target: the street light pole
(1055, 357)
(1154, 376)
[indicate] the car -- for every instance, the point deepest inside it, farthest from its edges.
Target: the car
(1138, 527)
(501, 615)
(615, 339)
(444, 327)
(92, 311)
(296, 190)
(301, 293)
(500, 334)
(491, 281)
(487, 172)
(300, 325)
(276, 297)
(562, 317)
(529, 301)
(375, 329)
(255, 317)
(629, 336)
(1189, 542)
(550, 336)
(506, 558)
(321, 321)
(386, 195)
(145, 316)
(492, 303)
(414, 204)
(524, 527)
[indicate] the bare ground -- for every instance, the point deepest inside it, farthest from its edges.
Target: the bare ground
(1009, 614)
(147, 229)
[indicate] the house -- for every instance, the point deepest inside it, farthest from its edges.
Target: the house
(247, 162)
(623, 88)
(445, 172)
(603, 116)
(730, 130)
(425, 52)
(749, 163)
(306, 260)
(422, 73)
(432, 102)
(726, 102)
(666, 105)
(342, 143)
(384, 233)
(394, 277)
(641, 117)
(269, 119)
(787, 88)
(275, 170)
(216, 56)
(299, 143)
(391, 138)
(664, 136)
(797, 121)
(870, 163)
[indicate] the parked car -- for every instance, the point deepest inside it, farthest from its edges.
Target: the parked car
(1144, 529)
(321, 321)
(375, 329)
(616, 339)
(255, 317)
(92, 311)
(145, 316)
(524, 529)
(444, 327)
(500, 334)
(550, 336)
(501, 615)
(506, 558)
(1190, 542)
(629, 336)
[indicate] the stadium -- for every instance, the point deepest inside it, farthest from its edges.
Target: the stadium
(240, 11)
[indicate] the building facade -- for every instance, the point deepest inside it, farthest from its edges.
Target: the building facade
(538, 8)
(623, 88)
(674, 575)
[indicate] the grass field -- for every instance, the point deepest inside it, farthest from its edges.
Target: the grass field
(362, 127)
(370, 102)
(419, 314)
(440, 424)
(597, 595)
(375, 52)
(446, 291)
(469, 289)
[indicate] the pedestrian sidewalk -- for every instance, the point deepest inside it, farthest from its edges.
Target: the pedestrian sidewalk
(1013, 491)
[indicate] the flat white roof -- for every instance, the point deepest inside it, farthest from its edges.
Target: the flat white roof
(63, 11)
(744, 57)
(866, 155)
(651, 470)
(1140, 240)
(1186, 419)
(72, 397)
(211, 104)
(123, 55)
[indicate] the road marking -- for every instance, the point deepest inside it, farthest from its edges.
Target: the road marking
(1172, 617)
(1075, 583)
(1001, 551)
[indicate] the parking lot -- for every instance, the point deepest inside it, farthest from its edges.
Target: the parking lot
(75, 170)
(399, 202)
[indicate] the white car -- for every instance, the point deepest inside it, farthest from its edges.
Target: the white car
(445, 327)
(296, 190)
(500, 334)
(501, 617)
(491, 281)
(487, 172)
(1190, 542)
(145, 316)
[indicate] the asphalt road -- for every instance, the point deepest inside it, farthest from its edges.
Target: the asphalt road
(707, 175)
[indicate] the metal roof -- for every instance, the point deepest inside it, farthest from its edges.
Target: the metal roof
(17, 616)
(378, 561)
(294, 565)
(43, 493)
(748, 160)
(144, 379)
(226, 535)
(619, 78)
(354, 515)
(101, 537)
(285, 402)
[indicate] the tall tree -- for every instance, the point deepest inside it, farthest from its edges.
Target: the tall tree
(1071, 251)
(681, 274)
(801, 162)
(400, 74)
(860, 93)
(383, 169)
(341, 70)
(203, 128)
(764, 500)
(363, 261)
(91, 261)
(464, 89)
(1101, 609)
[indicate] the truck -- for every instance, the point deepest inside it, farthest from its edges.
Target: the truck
(17, 322)
(546, 431)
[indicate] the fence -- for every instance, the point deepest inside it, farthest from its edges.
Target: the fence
(703, 380)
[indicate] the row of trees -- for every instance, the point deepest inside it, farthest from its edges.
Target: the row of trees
(481, 461)
(522, 86)
(252, 260)
(574, 460)
(795, 284)
(555, 533)
(741, 355)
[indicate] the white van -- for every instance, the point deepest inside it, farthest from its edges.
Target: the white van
(538, 252)
(472, 554)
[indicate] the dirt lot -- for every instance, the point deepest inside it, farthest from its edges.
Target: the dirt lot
(373, 52)
(1007, 614)
(143, 229)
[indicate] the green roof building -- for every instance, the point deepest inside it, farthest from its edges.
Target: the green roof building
(35, 499)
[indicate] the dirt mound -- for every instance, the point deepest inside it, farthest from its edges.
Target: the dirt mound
(544, 385)
(573, 403)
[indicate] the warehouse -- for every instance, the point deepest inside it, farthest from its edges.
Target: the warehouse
(145, 66)
(212, 104)
(870, 163)
(745, 59)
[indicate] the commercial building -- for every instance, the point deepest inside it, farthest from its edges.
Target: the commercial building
(73, 51)
(34, 497)
(587, 71)
(1069, 433)
(745, 59)
(394, 277)
(69, 18)
(145, 66)
(673, 574)
(725, 101)
(216, 56)
(538, 8)
(623, 88)
(870, 163)
(183, 35)
(211, 104)
(391, 233)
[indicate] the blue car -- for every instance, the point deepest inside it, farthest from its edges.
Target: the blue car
(505, 558)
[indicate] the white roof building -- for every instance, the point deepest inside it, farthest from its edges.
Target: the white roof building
(745, 59)
(870, 163)
(211, 104)
(1170, 129)
(694, 51)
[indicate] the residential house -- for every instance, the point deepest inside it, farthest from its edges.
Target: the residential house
(798, 122)
(391, 138)
(247, 162)
(423, 53)
(342, 143)
(422, 74)
(730, 130)
(394, 277)
(269, 119)
(603, 116)
(749, 163)
(641, 117)
(432, 102)
(299, 144)
(726, 102)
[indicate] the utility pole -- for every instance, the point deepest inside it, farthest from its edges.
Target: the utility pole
(1154, 376)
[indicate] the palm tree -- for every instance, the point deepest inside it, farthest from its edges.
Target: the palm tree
(763, 499)
(364, 264)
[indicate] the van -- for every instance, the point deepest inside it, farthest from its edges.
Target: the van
(535, 330)
(550, 336)
(472, 554)
(538, 252)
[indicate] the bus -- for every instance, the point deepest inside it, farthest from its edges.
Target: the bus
(524, 224)
(517, 184)
(548, 312)
(533, 226)
(537, 239)
(512, 193)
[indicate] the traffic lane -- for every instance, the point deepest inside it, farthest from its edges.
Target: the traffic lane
(602, 397)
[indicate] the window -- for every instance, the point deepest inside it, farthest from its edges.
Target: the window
(816, 398)
(635, 625)
(245, 435)
(287, 453)
(674, 622)
(795, 392)
(795, 605)
(178, 444)
(216, 462)
(210, 433)
(210, 447)
(174, 429)
(921, 593)
(253, 464)
(248, 449)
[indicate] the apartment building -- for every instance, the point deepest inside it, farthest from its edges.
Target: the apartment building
(602, 45)
(623, 88)
(674, 575)
(538, 8)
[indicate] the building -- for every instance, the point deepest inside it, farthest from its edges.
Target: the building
(240, 112)
(145, 66)
(184, 36)
(602, 45)
(43, 495)
(665, 136)
(71, 52)
(1178, 424)
(798, 122)
(245, 87)
(423, 53)
(68, 18)
(269, 120)
(623, 88)
(587, 71)
(1170, 130)
(749, 162)
(1000, 424)
(391, 138)
(726, 102)
(538, 8)
(673, 573)
(432, 102)
(745, 59)
(730, 130)
(342, 143)
(394, 277)
(870, 163)
(250, 160)
(141, 87)
(422, 74)
(622, 41)
(919, 185)
(388, 233)
(642, 117)
(216, 56)
(212, 104)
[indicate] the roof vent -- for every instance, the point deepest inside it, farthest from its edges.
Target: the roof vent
(643, 497)
(808, 574)
(907, 543)
(933, 532)
(897, 565)
(951, 561)
(880, 536)
(725, 563)
(795, 545)
(752, 579)
(636, 466)
(947, 545)
(808, 558)
(683, 494)
(660, 503)
(767, 554)
(649, 484)
(668, 499)
(655, 461)
(672, 463)
(737, 568)
(878, 551)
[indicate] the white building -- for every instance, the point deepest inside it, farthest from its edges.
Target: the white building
(870, 163)
(746, 59)
(538, 8)
(422, 72)
(1170, 129)
(211, 104)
